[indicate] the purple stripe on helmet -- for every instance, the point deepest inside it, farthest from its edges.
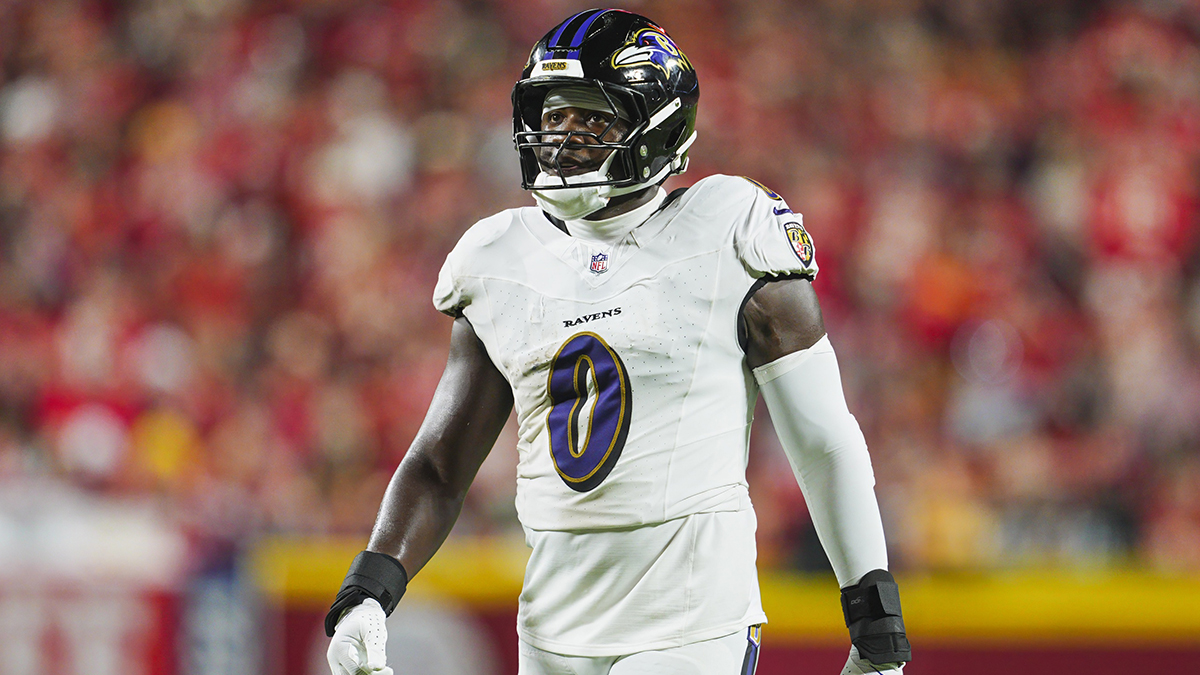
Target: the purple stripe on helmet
(555, 39)
(558, 33)
(577, 41)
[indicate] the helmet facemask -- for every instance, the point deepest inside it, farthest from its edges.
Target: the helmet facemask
(542, 151)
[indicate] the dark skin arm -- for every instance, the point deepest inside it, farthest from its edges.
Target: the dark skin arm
(468, 410)
(780, 318)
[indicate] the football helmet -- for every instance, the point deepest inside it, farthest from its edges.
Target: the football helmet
(639, 71)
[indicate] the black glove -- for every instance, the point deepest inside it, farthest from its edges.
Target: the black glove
(872, 612)
(371, 575)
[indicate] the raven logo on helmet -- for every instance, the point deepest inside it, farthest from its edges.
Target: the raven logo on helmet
(650, 46)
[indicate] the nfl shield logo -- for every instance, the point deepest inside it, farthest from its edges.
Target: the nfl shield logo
(599, 263)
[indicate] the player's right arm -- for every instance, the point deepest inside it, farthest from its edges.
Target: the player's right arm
(469, 408)
(798, 376)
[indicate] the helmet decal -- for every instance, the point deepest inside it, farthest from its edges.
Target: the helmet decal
(650, 46)
(561, 67)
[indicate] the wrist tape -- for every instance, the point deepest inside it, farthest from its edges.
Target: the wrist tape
(371, 575)
(872, 612)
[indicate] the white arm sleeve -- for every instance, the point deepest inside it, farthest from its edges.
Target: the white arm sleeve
(828, 454)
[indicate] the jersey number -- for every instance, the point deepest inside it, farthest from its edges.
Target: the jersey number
(584, 457)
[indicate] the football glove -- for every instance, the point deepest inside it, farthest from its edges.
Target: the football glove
(359, 641)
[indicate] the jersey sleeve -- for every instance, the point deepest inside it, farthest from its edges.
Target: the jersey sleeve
(458, 283)
(448, 295)
(771, 240)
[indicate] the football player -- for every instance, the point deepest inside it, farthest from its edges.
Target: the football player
(633, 331)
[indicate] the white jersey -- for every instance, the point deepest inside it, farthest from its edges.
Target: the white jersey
(634, 406)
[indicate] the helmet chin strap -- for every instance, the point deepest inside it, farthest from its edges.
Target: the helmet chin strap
(573, 203)
(609, 231)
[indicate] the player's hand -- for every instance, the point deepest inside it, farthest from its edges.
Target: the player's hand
(359, 641)
(856, 665)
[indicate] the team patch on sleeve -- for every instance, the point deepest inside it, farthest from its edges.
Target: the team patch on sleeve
(801, 243)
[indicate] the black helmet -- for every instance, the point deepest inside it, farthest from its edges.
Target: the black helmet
(638, 69)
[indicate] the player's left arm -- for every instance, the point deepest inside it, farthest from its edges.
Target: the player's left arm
(798, 375)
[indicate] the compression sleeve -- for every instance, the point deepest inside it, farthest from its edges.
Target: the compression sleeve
(828, 454)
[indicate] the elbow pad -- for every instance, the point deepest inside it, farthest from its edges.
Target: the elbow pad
(828, 454)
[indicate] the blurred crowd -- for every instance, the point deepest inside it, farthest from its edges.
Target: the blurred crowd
(221, 222)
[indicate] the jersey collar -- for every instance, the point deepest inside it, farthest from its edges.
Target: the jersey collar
(609, 231)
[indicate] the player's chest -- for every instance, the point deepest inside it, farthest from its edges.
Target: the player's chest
(650, 310)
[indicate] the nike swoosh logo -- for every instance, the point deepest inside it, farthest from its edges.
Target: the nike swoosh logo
(780, 210)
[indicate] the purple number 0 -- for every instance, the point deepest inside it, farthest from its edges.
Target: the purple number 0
(584, 463)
